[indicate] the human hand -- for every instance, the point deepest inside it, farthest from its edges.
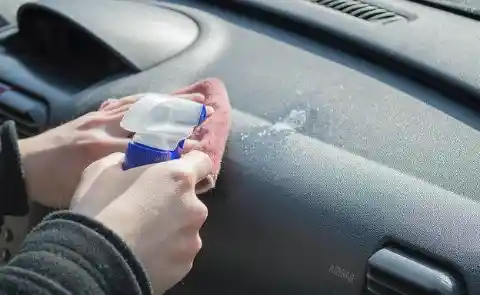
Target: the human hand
(153, 208)
(53, 161)
(196, 140)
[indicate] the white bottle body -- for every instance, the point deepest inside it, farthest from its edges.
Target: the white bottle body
(162, 121)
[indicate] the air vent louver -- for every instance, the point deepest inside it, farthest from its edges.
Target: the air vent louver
(29, 114)
(361, 10)
(3, 21)
(392, 272)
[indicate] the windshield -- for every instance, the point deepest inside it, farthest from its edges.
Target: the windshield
(466, 7)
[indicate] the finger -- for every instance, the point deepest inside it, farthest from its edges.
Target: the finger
(205, 185)
(197, 162)
(112, 126)
(129, 99)
(121, 106)
(106, 104)
(119, 109)
(190, 144)
(113, 103)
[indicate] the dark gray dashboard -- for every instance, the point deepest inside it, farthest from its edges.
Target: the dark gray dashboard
(291, 207)
(386, 154)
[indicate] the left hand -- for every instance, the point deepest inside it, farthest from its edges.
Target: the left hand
(54, 161)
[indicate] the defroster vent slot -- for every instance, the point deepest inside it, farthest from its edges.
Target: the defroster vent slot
(362, 10)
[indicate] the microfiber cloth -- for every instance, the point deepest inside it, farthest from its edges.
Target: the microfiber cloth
(213, 133)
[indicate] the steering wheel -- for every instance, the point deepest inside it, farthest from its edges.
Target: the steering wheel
(15, 228)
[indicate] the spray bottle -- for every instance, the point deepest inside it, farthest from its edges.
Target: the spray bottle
(161, 124)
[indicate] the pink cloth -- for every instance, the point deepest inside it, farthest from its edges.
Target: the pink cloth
(213, 133)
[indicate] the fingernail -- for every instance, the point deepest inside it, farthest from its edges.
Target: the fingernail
(190, 144)
(107, 103)
(209, 110)
(103, 105)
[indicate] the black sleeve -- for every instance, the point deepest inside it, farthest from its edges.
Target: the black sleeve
(13, 191)
(71, 254)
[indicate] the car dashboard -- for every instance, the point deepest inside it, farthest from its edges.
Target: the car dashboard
(354, 157)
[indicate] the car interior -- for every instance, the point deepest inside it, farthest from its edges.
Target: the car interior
(353, 163)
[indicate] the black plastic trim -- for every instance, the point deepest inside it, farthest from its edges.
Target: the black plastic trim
(395, 273)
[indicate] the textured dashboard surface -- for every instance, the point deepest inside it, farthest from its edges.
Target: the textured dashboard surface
(348, 102)
(376, 158)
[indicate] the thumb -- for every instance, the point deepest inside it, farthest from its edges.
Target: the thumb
(197, 162)
(113, 159)
(100, 176)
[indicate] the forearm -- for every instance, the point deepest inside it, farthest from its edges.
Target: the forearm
(70, 254)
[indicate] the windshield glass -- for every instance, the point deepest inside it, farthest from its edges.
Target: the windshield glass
(467, 7)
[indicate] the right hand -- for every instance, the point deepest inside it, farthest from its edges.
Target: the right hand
(154, 209)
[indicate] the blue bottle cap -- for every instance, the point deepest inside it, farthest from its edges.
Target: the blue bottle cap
(139, 154)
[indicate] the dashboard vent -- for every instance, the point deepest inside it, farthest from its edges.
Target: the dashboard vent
(29, 114)
(392, 272)
(361, 10)
(3, 21)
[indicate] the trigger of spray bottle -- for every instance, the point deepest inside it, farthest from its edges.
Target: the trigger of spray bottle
(161, 123)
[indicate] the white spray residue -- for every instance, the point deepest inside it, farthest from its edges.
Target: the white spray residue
(294, 121)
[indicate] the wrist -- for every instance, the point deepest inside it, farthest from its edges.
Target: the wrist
(44, 158)
(28, 157)
(35, 155)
